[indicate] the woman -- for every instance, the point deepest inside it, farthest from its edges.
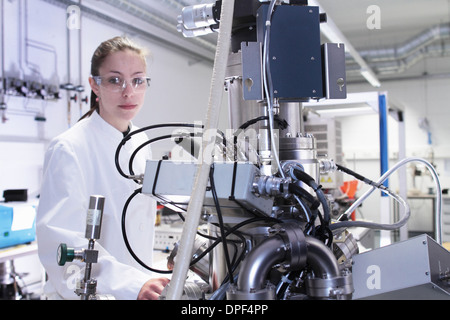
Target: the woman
(80, 163)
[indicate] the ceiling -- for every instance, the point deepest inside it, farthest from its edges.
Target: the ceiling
(408, 38)
(402, 23)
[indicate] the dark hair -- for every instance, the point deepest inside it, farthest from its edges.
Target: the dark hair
(106, 48)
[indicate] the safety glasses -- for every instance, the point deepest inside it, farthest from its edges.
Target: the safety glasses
(118, 84)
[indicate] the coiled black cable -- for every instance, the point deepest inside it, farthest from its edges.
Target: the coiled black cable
(125, 238)
(156, 126)
(229, 231)
(308, 180)
(322, 231)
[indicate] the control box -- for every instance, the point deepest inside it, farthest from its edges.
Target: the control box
(417, 268)
(171, 183)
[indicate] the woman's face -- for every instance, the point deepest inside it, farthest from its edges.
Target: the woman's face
(119, 108)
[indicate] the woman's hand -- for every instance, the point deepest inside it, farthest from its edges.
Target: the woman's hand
(151, 290)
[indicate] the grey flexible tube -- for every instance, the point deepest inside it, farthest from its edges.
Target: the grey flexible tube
(438, 213)
(187, 240)
(373, 225)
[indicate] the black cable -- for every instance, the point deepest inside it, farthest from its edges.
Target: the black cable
(238, 261)
(133, 155)
(161, 199)
(360, 177)
(200, 256)
(323, 231)
(283, 124)
(125, 238)
(295, 188)
(306, 178)
(309, 208)
(232, 230)
(156, 126)
(221, 225)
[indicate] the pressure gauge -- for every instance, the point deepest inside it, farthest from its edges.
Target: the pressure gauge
(64, 254)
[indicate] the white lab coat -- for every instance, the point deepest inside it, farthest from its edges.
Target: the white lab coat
(80, 163)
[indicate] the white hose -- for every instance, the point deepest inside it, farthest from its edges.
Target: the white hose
(438, 213)
(268, 83)
(187, 240)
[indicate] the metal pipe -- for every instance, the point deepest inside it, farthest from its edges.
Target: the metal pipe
(256, 267)
(88, 269)
(425, 38)
(400, 58)
(402, 64)
(321, 259)
(258, 263)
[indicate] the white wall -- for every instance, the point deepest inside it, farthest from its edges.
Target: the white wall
(179, 89)
(420, 98)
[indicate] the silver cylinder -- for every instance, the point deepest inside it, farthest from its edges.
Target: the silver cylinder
(292, 113)
(241, 110)
(7, 272)
(94, 217)
(197, 16)
(301, 149)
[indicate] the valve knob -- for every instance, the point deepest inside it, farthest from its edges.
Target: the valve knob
(64, 254)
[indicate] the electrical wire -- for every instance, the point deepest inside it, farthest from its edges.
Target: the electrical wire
(267, 81)
(133, 155)
(125, 238)
(221, 225)
(398, 199)
(281, 122)
(380, 226)
(217, 241)
(129, 135)
(360, 177)
(308, 180)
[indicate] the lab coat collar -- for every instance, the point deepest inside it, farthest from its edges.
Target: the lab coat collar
(106, 128)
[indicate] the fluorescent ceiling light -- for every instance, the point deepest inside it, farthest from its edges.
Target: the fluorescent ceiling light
(370, 77)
